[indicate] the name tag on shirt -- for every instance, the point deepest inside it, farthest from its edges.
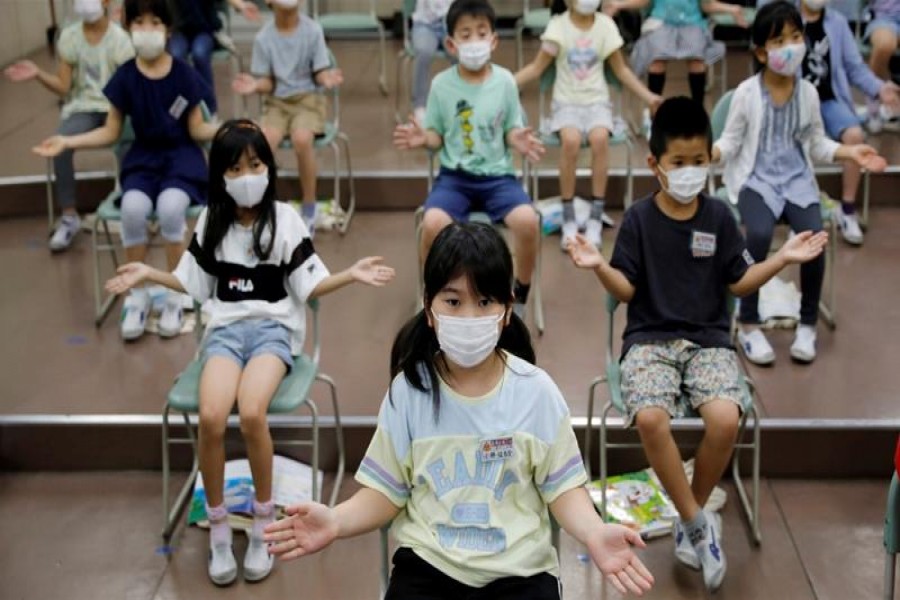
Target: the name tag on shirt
(493, 449)
(703, 244)
(177, 108)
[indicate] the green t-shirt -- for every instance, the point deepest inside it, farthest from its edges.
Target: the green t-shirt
(473, 120)
(92, 65)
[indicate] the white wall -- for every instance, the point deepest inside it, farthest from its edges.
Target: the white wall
(23, 25)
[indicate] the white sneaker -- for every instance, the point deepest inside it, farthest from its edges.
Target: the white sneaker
(222, 567)
(804, 347)
(756, 347)
(849, 226)
(257, 562)
(593, 232)
(171, 319)
(567, 236)
(134, 314)
(710, 554)
(64, 233)
(419, 116)
(684, 551)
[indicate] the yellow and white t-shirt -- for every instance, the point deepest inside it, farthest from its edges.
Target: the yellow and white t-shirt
(580, 57)
(474, 483)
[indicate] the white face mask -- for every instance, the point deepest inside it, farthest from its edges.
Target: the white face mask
(586, 7)
(474, 55)
(815, 5)
(787, 59)
(468, 341)
(286, 4)
(248, 190)
(685, 183)
(89, 11)
(149, 45)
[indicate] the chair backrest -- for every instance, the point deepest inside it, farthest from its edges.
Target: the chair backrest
(892, 518)
(315, 9)
(720, 114)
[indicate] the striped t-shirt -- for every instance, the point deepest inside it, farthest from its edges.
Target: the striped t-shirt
(474, 484)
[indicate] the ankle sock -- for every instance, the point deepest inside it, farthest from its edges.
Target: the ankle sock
(697, 83)
(695, 529)
(848, 208)
(568, 210)
(656, 82)
(308, 210)
(520, 291)
(597, 205)
(263, 514)
(219, 530)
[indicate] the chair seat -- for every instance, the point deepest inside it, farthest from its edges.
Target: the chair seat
(536, 19)
(349, 22)
(726, 20)
(293, 391)
(108, 211)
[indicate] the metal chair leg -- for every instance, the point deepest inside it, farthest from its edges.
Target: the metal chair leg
(603, 465)
(102, 304)
(314, 420)
(750, 506)
(339, 437)
(588, 438)
(890, 570)
(172, 512)
(51, 177)
(382, 50)
(351, 186)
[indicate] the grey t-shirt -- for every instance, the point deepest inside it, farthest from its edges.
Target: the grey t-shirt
(290, 59)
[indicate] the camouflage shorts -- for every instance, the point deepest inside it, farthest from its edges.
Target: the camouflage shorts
(676, 373)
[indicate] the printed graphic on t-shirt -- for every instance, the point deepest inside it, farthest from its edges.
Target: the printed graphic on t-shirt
(582, 58)
(464, 112)
(488, 132)
(817, 62)
(92, 73)
(703, 244)
(178, 106)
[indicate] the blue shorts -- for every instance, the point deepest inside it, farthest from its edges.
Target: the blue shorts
(458, 193)
(882, 23)
(838, 118)
(242, 340)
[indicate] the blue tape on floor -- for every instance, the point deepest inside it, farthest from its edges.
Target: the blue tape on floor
(165, 550)
(76, 340)
(584, 558)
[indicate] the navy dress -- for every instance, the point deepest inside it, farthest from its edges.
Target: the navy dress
(163, 155)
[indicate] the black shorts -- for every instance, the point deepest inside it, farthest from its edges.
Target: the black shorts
(415, 579)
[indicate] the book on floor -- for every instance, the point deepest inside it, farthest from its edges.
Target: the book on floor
(636, 500)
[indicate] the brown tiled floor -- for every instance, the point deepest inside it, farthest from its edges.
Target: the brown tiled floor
(94, 535)
(54, 361)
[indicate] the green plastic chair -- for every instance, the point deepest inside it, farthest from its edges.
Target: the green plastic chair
(292, 396)
(356, 23)
(551, 140)
(613, 381)
(891, 537)
(534, 21)
(828, 304)
(405, 58)
(339, 142)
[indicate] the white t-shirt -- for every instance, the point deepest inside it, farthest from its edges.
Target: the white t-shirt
(238, 285)
(580, 57)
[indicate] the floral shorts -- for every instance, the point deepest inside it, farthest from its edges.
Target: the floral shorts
(674, 374)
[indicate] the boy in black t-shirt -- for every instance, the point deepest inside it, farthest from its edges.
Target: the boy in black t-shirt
(678, 255)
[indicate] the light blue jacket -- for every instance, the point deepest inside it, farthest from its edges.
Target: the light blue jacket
(847, 66)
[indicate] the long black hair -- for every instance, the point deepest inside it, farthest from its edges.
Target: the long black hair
(479, 252)
(230, 142)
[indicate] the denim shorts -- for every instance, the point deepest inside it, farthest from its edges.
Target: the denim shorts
(458, 193)
(242, 340)
(838, 118)
(661, 374)
(882, 23)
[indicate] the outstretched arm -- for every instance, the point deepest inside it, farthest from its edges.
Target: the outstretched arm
(630, 81)
(310, 526)
(801, 248)
(199, 128)
(367, 270)
(26, 70)
(133, 274)
(535, 68)
(96, 138)
(610, 546)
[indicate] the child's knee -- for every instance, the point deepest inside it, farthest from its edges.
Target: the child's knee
(273, 136)
(657, 66)
(652, 422)
(599, 139)
(253, 420)
(212, 423)
(135, 210)
(434, 220)
(302, 140)
(569, 141)
(171, 207)
(522, 220)
(721, 418)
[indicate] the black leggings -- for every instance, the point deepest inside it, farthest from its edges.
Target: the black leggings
(760, 223)
(415, 579)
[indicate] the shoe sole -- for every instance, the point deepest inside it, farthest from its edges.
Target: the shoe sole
(164, 333)
(130, 337)
(224, 581)
(803, 359)
(254, 577)
(766, 362)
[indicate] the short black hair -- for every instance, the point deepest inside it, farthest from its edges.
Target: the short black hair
(472, 8)
(678, 118)
(136, 8)
(771, 19)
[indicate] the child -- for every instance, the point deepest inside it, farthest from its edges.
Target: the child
(473, 118)
(679, 254)
(881, 34)
(164, 170)
(252, 261)
(832, 63)
(289, 60)
(773, 133)
(89, 51)
(196, 25)
(580, 41)
(473, 445)
(428, 33)
(676, 30)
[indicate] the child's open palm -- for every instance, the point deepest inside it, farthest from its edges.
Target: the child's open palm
(408, 136)
(52, 146)
(804, 246)
(611, 550)
(526, 143)
(309, 527)
(127, 276)
(371, 271)
(867, 158)
(584, 254)
(244, 84)
(24, 70)
(331, 78)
